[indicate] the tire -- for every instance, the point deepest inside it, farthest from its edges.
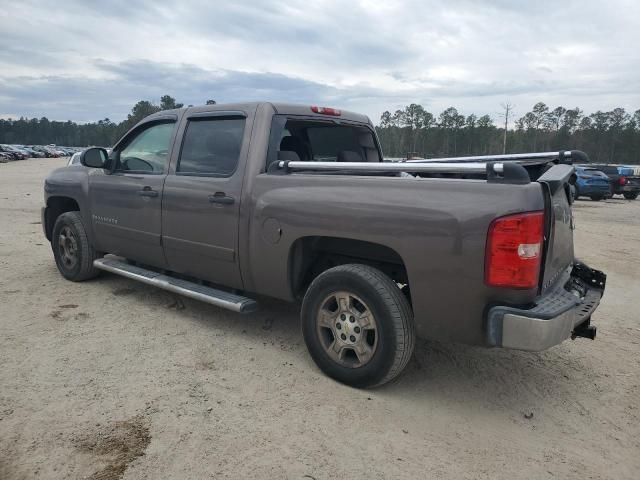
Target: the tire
(630, 195)
(72, 251)
(596, 198)
(385, 345)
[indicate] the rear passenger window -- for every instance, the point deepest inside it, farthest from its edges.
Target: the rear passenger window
(211, 146)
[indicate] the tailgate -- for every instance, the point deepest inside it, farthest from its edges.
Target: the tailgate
(633, 181)
(558, 251)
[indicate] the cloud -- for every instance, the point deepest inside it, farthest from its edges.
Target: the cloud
(86, 99)
(89, 60)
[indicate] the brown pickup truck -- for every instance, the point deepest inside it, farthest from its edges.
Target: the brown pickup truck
(222, 203)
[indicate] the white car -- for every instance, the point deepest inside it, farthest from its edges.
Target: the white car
(74, 159)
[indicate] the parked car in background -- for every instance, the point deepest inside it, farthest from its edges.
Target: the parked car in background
(20, 152)
(23, 149)
(631, 176)
(42, 150)
(74, 159)
(16, 153)
(33, 153)
(52, 152)
(6, 153)
(67, 151)
(624, 180)
(592, 183)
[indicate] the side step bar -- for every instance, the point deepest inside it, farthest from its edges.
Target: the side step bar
(213, 296)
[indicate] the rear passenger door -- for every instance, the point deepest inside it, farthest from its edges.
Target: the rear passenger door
(201, 200)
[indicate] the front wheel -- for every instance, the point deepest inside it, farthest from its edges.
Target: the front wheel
(630, 195)
(358, 325)
(72, 250)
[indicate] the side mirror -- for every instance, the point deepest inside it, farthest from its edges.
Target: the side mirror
(94, 157)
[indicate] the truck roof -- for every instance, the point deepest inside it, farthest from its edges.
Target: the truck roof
(279, 108)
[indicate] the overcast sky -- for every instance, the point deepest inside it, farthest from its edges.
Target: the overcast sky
(84, 60)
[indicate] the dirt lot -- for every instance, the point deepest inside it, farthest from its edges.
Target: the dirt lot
(111, 378)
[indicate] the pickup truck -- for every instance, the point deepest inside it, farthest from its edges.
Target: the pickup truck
(623, 180)
(224, 203)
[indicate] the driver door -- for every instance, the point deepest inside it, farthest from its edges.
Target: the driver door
(126, 204)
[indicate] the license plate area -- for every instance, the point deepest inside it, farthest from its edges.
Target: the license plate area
(593, 278)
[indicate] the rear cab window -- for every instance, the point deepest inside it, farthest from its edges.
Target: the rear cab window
(321, 141)
(329, 143)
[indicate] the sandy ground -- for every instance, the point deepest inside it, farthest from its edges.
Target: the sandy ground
(111, 378)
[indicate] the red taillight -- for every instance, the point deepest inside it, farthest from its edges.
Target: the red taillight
(326, 111)
(514, 250)
(622, 180)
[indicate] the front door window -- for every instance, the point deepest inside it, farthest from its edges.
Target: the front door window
(148, 151)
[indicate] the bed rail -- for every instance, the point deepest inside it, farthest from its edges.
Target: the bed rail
(497, 168)
(563, 156)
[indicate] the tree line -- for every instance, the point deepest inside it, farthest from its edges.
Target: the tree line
(43, 131)
(612, 136)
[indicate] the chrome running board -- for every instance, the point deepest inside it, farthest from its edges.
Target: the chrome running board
(213, 296)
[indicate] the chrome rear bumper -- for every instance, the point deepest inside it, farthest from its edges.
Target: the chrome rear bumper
(563, 312)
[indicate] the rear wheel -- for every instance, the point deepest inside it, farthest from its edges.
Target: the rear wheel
(358, 325)
(630, 195)
(72, 251)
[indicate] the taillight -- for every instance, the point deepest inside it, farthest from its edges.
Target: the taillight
(514, 250)
(622, 180)
(326, 111)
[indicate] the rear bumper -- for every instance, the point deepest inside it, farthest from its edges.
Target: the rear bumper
(595, 190)
(628, 188)
(563, 312)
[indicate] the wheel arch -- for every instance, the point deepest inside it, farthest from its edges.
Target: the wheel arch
(311, 255)
(56, 206)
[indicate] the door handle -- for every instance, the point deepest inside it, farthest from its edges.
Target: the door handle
(221, 198)
(147, 192)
